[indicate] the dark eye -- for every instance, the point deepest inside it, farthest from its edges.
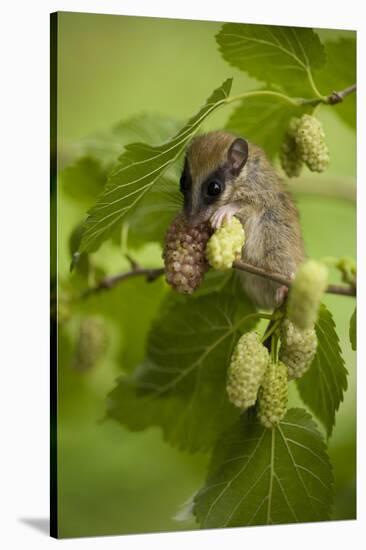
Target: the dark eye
(214, 188)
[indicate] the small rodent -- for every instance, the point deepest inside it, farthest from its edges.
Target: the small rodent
(224, 175)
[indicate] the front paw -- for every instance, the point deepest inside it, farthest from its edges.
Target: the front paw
(222, 214)
(217, 219)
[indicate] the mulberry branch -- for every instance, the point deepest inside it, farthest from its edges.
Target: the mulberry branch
(151, 274)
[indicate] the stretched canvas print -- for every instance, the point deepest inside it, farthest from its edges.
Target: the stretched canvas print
(203, 316)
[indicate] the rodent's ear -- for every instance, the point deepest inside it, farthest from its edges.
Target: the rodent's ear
(237, 155)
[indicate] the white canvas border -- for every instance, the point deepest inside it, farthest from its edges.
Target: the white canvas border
(25, 268)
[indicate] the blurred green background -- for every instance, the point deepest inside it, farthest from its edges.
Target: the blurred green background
(111, 481)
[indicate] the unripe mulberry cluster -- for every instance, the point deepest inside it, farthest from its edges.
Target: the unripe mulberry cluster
(184, 254)
(273, 395)
(306, 293)
(290, 158)
(348, 268)
(298, 348)
(247, 367)
(310, 139)
(225, 245)
(91, 345)
(304, 142)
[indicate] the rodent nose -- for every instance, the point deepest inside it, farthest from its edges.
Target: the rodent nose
(190, 218)
(189, 214)
(195, 218)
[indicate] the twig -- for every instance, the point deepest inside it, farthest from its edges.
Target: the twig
(136, 270)
(134, 265)
(331, 99)
(342, 290)
(151, 274)
(249, 268)
(337, 97)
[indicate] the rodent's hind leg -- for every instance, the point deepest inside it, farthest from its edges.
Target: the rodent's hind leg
(223, 213)
(281, 295)
(282, 292)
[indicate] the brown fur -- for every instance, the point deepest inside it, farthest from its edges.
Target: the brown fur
(266, 210)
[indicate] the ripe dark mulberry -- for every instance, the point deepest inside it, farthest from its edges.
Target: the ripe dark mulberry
(184, 254)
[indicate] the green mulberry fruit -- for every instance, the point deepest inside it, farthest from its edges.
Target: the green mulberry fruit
(290, 158)
(306, 293)
(298, 348)
(184, 254)
(224, 246)
(348, 268)
(247, 367)
(273, 395)
(310, 140)
(91, 344)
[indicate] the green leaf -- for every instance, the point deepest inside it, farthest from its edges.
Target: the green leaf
(283, 56)
(347, 111)
(84, 180)
(181, 385)
(131, 307)
(106, 147)
(215, 281)
(263, 120)
(149, 222)
(82, 263)
(323, 385)
(260, 476)
(138, 169)
(353, 330)
(338, 74)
